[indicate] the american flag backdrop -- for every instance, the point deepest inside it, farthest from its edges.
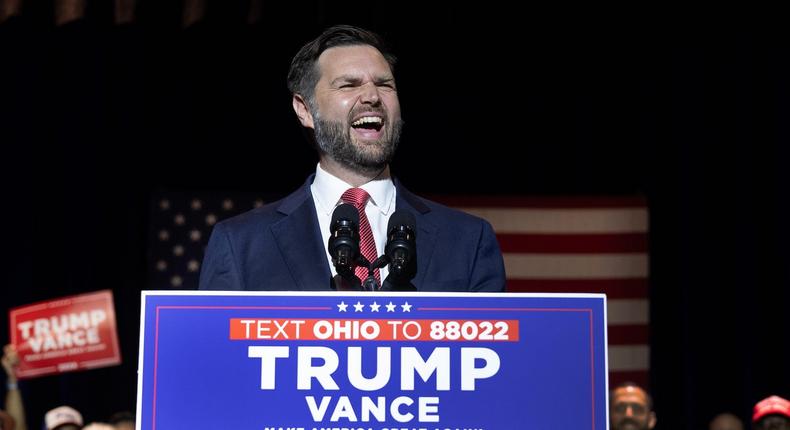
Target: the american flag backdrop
(554, 245)
(180, 226)
(581, 245)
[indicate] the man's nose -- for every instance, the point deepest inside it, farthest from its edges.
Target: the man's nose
(629, 411)
(370, 94)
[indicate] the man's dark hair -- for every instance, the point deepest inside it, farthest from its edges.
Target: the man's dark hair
(773, 422)
(635, 385)
(304, 74)
(121, 417)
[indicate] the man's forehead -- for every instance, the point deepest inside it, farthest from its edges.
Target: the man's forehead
(630, 393)
(351, 60)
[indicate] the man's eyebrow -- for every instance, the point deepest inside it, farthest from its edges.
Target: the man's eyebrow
(346, 78)
(351, 79)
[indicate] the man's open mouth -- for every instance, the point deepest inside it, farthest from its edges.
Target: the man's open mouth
(369, 123)
(368, 127)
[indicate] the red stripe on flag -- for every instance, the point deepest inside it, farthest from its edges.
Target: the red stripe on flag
(640, 377)
(581, 202)
(633, 288)
(628, 334)
(573, 243)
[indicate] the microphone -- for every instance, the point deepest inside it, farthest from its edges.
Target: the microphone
(343, 243)
(401, 250)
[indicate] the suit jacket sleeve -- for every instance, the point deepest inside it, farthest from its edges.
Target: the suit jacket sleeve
(488, 273)
(220, 270)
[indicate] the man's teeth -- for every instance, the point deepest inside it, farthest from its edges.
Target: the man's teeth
(367, 120)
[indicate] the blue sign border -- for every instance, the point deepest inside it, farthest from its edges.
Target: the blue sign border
(161, 310)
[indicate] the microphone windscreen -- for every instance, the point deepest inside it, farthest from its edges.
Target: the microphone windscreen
(401, 217)
(347, 212)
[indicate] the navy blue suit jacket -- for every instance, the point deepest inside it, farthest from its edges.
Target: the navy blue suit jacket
(279, 247)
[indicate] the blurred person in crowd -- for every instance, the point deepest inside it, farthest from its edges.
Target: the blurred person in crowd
(15, 409)
(122, 420)
(725, 421)
(6, 422)
(772, 413)
(98, 426)
(631, 408)
(63, 418)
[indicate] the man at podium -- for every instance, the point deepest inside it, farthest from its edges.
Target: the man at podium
(344, 95)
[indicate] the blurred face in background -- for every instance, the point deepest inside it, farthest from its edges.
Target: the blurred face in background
(630, 410)
(773, 422)
(726, 422)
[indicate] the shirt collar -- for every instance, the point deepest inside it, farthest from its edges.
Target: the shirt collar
(328, 188)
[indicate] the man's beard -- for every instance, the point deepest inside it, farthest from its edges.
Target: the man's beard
(629, 424)
(370, 158)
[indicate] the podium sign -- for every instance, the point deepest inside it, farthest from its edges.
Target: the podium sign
(381, 361)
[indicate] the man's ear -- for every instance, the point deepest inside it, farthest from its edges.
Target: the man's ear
(302, 111)
(651, 422)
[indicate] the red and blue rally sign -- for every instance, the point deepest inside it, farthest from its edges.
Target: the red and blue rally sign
(379, 361)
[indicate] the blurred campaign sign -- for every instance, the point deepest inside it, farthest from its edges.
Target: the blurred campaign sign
(384, 361)
(65, 334)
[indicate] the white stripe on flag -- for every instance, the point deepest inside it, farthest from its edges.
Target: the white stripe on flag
(568, 221)
(575, 266)
(627, 312)
(629, 357)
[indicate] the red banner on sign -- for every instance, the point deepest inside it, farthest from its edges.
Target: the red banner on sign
(65, 334)
(374, 329)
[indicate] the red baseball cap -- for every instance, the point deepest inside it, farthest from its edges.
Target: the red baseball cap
(773, 405)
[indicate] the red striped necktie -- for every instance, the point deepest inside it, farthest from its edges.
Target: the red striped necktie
(367, 244)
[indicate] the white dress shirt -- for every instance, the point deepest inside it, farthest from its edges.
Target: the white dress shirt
(327, 189)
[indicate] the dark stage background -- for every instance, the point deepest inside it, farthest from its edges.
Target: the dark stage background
(689, 109)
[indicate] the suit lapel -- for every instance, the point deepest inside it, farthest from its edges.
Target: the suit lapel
(299, 239)
(426, 230)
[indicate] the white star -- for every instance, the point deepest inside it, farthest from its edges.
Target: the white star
(406, 307)
(179, 219)
(164, 235)
(196, 204)
(178, 250)
(342, 307)
(161, 265)
(211, 219)
(164, 204)
(258, 203)
(390, 307)
(176, 281)
(193, 266)
(227, 204)
(195, 235)
(375, 307)
(358, 307)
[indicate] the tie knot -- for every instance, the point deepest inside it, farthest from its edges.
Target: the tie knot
(356, 196)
